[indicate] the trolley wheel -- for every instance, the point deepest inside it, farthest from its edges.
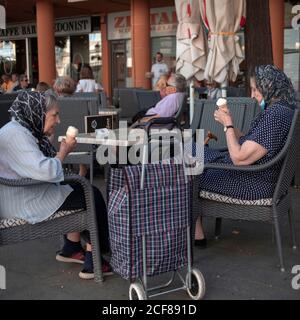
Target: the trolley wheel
(137, 292)
(197, 290)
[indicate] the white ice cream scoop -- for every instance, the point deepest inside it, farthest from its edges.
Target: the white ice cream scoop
(72, 132)
(221, 102)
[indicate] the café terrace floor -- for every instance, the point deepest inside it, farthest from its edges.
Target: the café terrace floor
(241, 265)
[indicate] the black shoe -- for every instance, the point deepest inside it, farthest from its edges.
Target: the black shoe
(201, 244)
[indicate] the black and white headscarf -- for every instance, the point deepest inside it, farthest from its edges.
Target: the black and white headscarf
(29, 109)
(274, 84)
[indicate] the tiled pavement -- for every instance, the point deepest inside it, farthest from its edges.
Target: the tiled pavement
(241, 265)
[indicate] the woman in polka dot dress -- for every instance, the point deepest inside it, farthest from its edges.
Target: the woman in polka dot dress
(266, 137)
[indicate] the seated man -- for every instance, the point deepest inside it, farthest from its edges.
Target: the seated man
(170, 104)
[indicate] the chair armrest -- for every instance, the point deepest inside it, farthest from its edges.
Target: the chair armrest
(69, 178)
(155, 121)
(30, 182)
(248, 168)
(163, 120)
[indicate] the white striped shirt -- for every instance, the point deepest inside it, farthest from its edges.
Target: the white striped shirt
(20, 157)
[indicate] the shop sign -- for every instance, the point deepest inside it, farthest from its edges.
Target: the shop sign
(163, 22)
(63, 27)
(296, 19)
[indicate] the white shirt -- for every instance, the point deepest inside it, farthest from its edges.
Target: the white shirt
(21, 157)
(158, 69)
(88, 85)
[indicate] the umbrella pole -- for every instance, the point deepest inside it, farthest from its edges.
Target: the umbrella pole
(192, 100)
(224, 85)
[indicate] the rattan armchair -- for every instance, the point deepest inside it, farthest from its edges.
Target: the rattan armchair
(272, 212)
(18, 230)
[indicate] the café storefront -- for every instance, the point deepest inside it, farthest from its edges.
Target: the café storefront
(77, 41)
(163, 24)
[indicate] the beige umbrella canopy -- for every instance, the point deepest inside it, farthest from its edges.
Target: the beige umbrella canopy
(223, 19)
(191, 41)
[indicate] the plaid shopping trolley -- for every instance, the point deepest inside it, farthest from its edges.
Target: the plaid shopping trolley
(148, 225)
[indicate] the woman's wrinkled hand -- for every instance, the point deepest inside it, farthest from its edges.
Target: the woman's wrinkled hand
(66, 146)
(223, 116)
(69, 144)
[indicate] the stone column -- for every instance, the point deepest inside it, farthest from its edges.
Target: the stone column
(277, 29)
(141, 48)
(46, 41)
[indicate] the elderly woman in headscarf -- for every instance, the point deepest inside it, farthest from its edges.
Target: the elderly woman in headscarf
(26, 152)
(275, 94)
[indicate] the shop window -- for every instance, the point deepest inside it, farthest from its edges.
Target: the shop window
(291, 55)
(7, 57)
(62, 56)
(167, 46)
(95, 51)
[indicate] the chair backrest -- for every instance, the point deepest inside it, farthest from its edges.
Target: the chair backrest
(72, 112)
(198, 109)
(92, 98)
(292, 155)
(128, 103)
(4, 115)
(103, 99)
(236, 92)
(243, 110)
(146, 98)
(182, 108)
(8, 96)
(115, 98)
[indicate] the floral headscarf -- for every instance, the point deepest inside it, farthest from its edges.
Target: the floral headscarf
(29, 109)
(274, 84)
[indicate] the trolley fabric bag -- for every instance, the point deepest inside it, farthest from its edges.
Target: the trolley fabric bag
(161, 212)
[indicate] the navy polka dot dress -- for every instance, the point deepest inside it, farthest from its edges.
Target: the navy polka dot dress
(269, 129)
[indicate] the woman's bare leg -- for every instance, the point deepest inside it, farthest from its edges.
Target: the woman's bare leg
(74, 236)
(199, 234)
(82, 170)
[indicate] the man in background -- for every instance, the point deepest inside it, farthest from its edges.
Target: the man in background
(158, 68)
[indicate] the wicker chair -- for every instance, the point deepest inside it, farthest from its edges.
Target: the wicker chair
(62, 222)
(243, 110)
(72, 113)
(272, 211)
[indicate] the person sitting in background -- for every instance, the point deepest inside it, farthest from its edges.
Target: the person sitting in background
(170, 104)
(64, 86)
(15, 81)
(7, 84)
(24, 84)
(27, 153)
(266, 137)
(42, 87)
(87, 82)
(161, 85)
(213, 91)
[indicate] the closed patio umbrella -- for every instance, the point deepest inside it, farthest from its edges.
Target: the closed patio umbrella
(223, 19)
(191, 43)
